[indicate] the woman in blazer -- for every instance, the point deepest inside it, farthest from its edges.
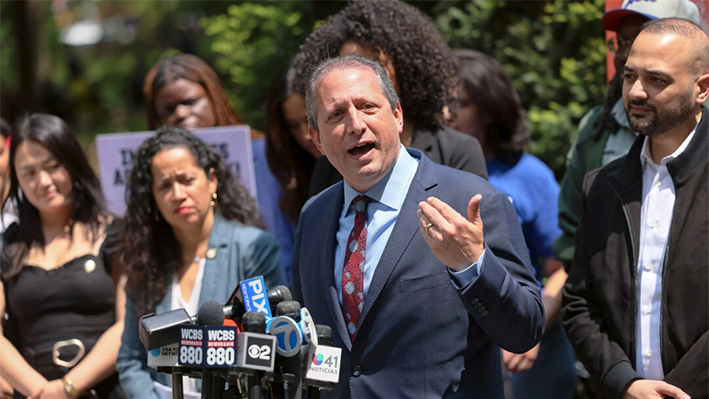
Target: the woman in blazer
(190, 236)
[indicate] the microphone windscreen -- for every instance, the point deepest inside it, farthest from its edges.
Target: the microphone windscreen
(210, 313)
(279, 294)
(324, 334)
(289, 308)
(254, 322)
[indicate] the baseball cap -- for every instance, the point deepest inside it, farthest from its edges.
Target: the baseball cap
(653, 9)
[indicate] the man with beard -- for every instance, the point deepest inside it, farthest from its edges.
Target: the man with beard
(604, 134)
(636, 301)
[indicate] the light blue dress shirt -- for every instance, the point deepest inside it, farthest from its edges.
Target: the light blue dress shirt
(387, 198)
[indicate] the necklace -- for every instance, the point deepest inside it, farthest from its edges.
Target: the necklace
(198, 259)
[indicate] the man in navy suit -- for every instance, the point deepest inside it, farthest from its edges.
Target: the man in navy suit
(419, 300)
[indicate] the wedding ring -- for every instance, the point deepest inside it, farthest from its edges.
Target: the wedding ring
(428, 226)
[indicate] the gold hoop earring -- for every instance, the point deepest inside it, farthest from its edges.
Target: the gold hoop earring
(213, 202)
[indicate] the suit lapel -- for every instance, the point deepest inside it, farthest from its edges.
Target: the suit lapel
(406, 227)
(331, 225)
(213, 287)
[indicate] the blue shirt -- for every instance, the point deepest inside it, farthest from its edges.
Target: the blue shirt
(387, 198)
(534, 193)
(268, 192)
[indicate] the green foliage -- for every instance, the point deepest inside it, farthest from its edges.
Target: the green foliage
(554, 53)
(254, 41)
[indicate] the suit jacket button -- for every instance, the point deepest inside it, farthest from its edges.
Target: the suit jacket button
(484, 313)
(474, 301)
(357, 370)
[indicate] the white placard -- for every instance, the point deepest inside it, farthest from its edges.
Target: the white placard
(115, 157)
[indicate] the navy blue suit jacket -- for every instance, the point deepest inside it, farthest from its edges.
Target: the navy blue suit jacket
(419, 336)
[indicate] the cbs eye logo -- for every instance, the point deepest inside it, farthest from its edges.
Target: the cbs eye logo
(260, 352)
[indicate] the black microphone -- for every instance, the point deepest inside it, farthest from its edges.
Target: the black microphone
(255, 322)
(211, 313)
(321, 364)
(163, 329)
(274, 296)
(286, 324)
(324, 334)
(289, 308)
(277, 295)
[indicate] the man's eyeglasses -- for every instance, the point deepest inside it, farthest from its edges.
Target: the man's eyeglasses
(616, 44)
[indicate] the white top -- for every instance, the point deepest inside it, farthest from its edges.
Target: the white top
(655, 219)
(189, 385)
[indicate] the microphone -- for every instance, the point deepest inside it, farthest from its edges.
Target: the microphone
(288, 345)
(250, 295)
(322, 364)
(256, 351)
(160, 330)
(277, 295)
(211, 313)
(285, 328)
(163, 329)
(220, 348)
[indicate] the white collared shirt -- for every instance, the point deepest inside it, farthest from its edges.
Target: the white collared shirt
(658, 202)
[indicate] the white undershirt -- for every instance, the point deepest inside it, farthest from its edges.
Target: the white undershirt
(189, 385)
(655, 219)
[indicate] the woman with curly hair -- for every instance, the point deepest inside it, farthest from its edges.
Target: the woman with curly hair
(59, 286)
(182, 90)
(290, 151)
(189, 237)
(420, 65)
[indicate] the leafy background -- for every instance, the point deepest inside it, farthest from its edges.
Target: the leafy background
(553, 50)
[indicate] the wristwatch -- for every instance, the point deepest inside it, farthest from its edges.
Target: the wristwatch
(69, 389)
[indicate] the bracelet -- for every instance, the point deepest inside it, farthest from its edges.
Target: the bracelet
(69, 388)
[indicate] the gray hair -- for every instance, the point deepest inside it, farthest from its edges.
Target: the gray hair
(342, 63)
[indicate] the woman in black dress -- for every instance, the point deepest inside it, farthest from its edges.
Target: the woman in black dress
(64, 299)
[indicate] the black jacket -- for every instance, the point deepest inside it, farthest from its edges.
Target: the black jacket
(445, 146)
(600, 296)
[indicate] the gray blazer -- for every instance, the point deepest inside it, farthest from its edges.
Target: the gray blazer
(242, 252)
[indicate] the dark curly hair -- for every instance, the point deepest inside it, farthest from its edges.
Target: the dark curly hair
(192, 68)
(424, 65)
(291, 164)
(491, 91)
(87, 203)
(149, 246)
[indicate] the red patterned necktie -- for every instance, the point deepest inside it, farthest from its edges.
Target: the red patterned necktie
(352, 276)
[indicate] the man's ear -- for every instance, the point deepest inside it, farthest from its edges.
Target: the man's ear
(399, 116)
(703, 85)
(316, 139)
